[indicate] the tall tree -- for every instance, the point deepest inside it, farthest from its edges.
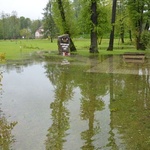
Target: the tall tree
(121, 15)
(1, 29)
(48, 22)
(104, 26)
(94, 17)
(113, 18)
(24, 22)
(14, 25)
(93, 20)
(139, 15)
(63, 15)
(5, 25)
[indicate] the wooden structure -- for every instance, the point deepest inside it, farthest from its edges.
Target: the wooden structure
(134, 57)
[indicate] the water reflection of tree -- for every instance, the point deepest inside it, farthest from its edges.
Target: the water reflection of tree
(130, 109)
(92, 88)
(60, 114)
(112, 142)
(6, 138)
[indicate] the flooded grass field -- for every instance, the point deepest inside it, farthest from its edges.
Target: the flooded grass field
(100, 103)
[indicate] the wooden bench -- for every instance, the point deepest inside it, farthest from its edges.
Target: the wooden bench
(134, 57)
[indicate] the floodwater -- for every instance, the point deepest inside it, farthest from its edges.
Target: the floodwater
(100, 103)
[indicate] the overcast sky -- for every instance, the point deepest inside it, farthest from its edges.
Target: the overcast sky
(32, 9)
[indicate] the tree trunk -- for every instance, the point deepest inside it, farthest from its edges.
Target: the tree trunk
(122, 31)
(111, 40)
(130, 35)
(51, 39)
(147, 25)
(100, 40)
(139, 44)
(94, 45)
(65, 27)
(139, 26)
(72, 46)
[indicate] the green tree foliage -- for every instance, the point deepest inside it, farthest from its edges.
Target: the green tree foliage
(94, 21)
(83, 17)
(12, 27)
(5, 25)
(121, 20)
(48, 22)
(1, 29)
(35, 24)
(139, 15)
(63, 14)
(103, 12)
(25, 22)
(113, 19)
(25, 33)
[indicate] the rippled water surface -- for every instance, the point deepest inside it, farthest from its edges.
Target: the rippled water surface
(100, 103)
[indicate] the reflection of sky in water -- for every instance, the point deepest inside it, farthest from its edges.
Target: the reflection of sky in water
(77, 126)
(26, 99)
(27, 95)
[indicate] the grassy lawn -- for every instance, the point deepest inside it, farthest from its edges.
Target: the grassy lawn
(18, 49)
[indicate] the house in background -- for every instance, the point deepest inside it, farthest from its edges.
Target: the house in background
(39, 33)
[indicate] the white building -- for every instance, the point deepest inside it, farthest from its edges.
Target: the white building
(39, 33)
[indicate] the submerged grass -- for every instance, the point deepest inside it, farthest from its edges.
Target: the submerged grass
(21, 48)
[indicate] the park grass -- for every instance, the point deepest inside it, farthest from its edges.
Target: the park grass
(16, 49)
(82, 46)
(21, 48)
